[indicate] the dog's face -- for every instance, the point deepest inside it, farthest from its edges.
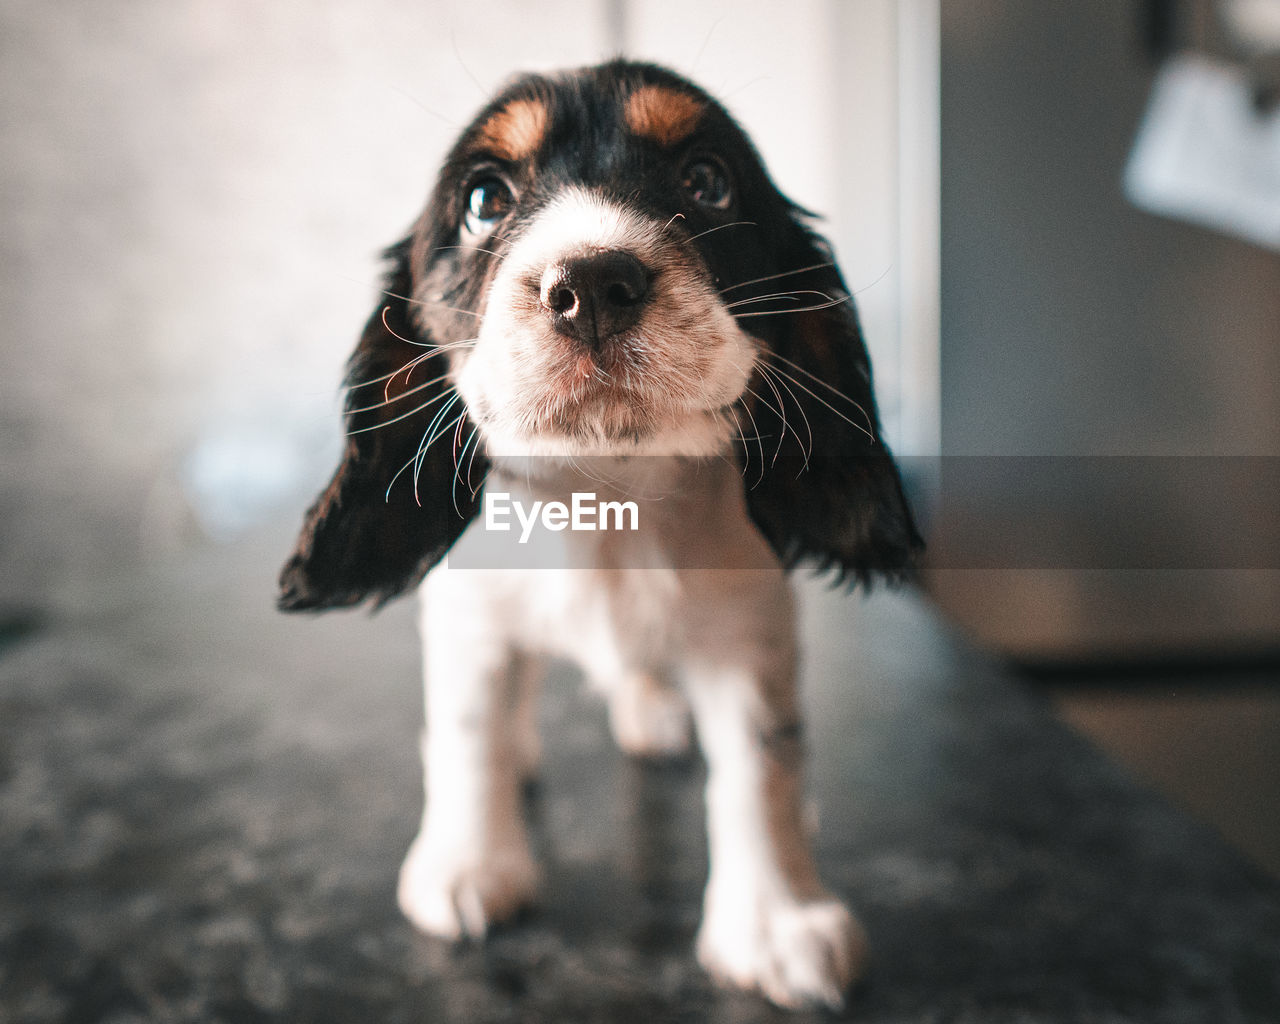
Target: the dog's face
(604, 267)
(591, 222)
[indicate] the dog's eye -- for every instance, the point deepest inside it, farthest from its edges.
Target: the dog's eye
(707, 183)
(490, 200)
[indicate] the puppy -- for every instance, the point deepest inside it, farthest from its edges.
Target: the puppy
(606, 294)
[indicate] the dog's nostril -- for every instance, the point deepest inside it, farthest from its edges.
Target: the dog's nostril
(594, 297)
(623, 278)
(622, 293)
(563, 301)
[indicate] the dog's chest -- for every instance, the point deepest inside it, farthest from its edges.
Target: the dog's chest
(608, 620)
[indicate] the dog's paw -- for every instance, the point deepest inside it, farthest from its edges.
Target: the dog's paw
(796, 954)
(459, 895)
(650, 718)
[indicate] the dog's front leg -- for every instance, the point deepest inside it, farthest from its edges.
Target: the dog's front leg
(470, 865)
(768, 924)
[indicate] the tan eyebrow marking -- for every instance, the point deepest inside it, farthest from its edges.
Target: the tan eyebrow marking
(667, 116)
(516, 131)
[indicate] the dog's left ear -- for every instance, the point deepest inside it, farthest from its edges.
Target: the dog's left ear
(821, 484)
(406, 487)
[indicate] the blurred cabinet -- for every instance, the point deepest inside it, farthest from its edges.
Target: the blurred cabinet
(1075, 325)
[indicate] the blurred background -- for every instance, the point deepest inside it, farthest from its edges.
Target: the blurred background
(194, 194)
(1110, 378)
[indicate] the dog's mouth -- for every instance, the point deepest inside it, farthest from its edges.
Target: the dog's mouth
(589, 404)
(597, 398)
(645, 390)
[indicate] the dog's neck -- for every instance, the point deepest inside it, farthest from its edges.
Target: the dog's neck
(691, 512)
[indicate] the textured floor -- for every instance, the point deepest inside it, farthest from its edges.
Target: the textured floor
(203, 806)
(1208, 740)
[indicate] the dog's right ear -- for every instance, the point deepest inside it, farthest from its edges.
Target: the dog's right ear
(835, 499)
(410, 477)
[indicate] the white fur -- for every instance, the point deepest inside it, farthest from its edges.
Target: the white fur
(682, 364)
(668, 641)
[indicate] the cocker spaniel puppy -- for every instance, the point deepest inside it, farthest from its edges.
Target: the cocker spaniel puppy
(608, 307)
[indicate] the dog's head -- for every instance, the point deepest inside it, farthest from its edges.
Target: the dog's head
(604, 267)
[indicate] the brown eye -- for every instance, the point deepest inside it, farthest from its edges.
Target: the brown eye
(706, 182)
(489, 201)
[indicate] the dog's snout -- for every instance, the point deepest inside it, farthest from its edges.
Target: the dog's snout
(592, 298)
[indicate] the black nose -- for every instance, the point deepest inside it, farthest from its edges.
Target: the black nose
(592, 298)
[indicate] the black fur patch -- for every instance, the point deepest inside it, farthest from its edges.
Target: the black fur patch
(367, 536)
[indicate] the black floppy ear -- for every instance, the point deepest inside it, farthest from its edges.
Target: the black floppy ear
(821, 484)
(405, 488)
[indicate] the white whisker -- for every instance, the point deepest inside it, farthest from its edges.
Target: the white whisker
(782, 412)
(721, 227)
(755, 427)
(468, 343)
(802, 309)
(766, 371)
(401, 337)
(816, 379)
(473, 248)
(471, 461)
(780, 295)
(741, 437)
(774, 277)
(391, 401)
(431, 303)
(457, 462)
(866, 430)
(429, 438)
(402, 416)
